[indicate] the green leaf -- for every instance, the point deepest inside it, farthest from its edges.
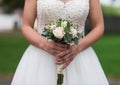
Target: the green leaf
(67, 28)
(79, 35)
(71, 23)
(68, 38)
(76, 41)
(50, 35)
(45, 32)
(68, 25)
(59, 22)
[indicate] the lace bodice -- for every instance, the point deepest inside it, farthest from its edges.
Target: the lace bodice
(50, 10)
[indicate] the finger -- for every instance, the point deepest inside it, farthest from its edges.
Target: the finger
(65, 56)
(55, 46)
(69, 58)
(64, 53)
(62, 45)
(63, 61)
(55, 52)
(60, 61)
(59, 48)
(66, 64)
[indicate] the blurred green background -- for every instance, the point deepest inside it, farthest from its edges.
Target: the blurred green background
(13, 45)
(108, 50)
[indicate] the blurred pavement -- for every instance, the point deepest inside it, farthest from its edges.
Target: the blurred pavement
(6, 81)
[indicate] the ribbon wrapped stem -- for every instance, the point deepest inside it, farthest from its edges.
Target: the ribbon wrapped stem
(60, 79)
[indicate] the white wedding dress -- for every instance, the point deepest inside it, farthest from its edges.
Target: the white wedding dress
(38, 67)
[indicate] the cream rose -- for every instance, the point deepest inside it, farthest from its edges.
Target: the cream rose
(59, 32)
(64, 24)
(52, 27)
(73, 32)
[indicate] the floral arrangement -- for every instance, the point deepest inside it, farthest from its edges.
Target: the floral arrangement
(62, 31)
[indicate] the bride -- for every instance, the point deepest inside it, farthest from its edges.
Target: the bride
(80, 63)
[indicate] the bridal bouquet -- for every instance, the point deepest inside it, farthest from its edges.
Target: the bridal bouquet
(62, 31)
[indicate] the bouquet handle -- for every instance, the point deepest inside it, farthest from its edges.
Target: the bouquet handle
(60, 79)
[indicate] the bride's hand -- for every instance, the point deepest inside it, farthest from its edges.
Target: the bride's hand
(54, 48)
(67, 56)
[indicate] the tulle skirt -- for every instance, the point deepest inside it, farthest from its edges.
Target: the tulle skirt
(38, 67)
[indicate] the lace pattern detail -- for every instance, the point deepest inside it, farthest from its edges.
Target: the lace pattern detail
(50, 10)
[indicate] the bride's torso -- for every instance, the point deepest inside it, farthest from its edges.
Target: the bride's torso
(50, 10)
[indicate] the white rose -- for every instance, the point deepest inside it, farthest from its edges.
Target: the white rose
(73, 32)
(64, 24)
(59, 32)
(52, 27)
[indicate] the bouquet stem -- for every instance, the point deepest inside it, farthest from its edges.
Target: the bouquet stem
(60, 79)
